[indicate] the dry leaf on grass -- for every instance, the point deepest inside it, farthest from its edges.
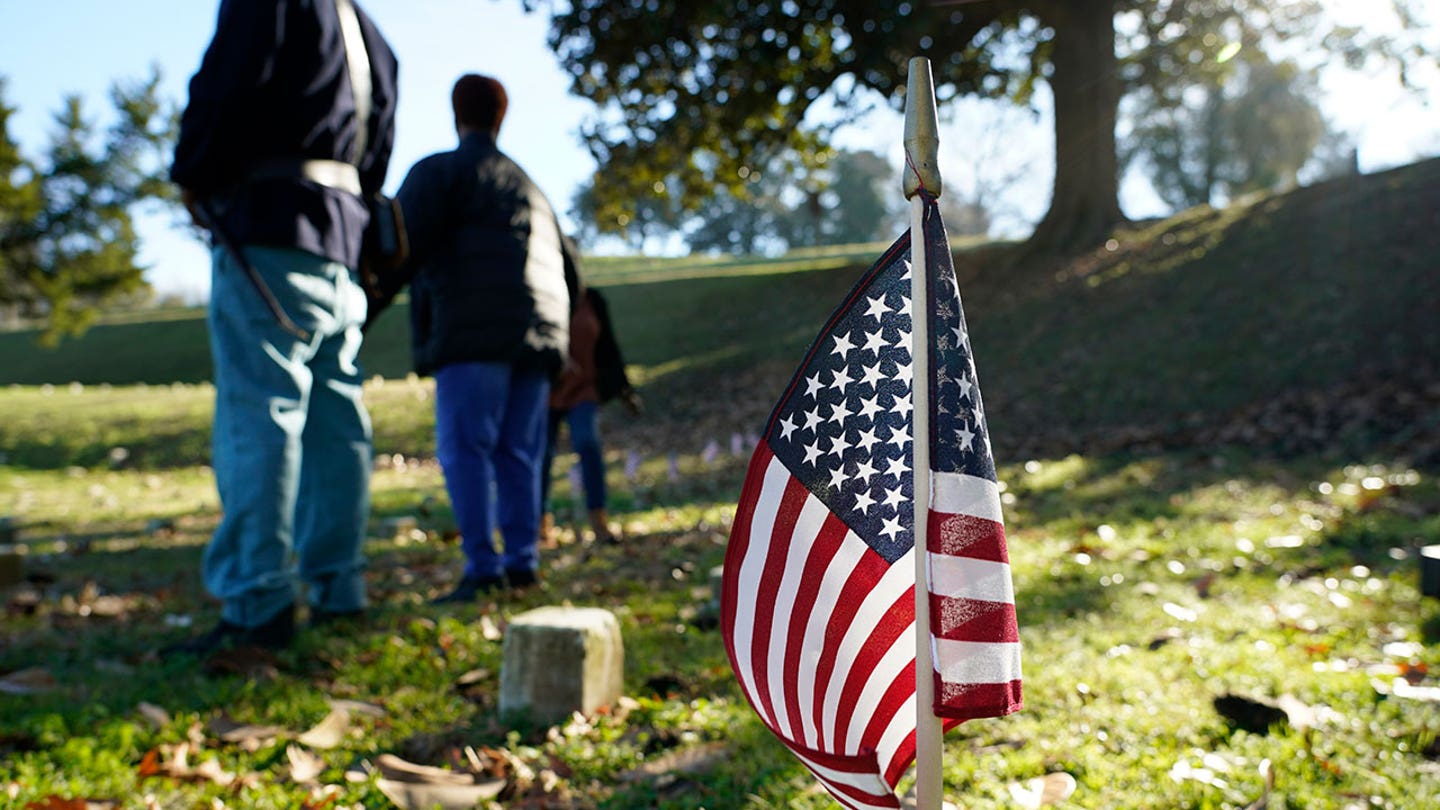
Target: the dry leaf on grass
(1052, 788)
(330, 732)
(28, 681)
(248, 736)
(305, 765)
(413, 786)
(154, 715)
(424, 796)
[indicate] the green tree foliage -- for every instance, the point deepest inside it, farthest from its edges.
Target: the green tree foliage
(691, 91)
(1204, 143)
(67, 237)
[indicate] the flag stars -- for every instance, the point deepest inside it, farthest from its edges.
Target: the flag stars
(864, 471)
(812, 421)
(897, 467)
(787, 426)
(872, 376)
(813, 385)
(843, 346)
(875, 341)
(869, 406)
(867, 437)
(812, 453)
(965, 386)
(839, 445)
(892, 527)
(839, 413)
(863, 502)
(893, 498)
(877, 308)
(837, 477)
(966, 437)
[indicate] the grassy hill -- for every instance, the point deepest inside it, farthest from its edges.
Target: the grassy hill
(1299, 320)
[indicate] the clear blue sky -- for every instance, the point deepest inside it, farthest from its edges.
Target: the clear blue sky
(49, 48)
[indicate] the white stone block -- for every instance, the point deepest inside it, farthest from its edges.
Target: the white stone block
(561, 660)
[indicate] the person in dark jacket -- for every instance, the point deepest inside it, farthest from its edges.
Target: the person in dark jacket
(489, 314)
(288, 128)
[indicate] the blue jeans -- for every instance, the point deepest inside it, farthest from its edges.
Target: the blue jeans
(490, 438)
(291, 438)
(582, 420)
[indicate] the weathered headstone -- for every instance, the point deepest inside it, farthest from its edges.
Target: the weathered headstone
(561, 660)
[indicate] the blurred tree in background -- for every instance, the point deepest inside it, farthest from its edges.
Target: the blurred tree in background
(67, 238)
(689, 93)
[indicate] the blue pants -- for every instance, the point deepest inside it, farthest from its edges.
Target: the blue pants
(582, 421)
(490, 437)
(291, 438)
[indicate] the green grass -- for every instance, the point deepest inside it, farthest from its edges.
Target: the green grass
(1173, 538)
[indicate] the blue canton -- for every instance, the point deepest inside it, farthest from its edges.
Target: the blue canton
(844, 427)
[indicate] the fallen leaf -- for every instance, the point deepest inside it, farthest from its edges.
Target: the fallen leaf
(245, 735)
(330, 732)
(429, 796)
(305, 765)
(396, 769)
(28, 681)
(155, 715)
(1052, 788)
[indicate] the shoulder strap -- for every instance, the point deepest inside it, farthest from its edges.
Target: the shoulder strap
(358, 60)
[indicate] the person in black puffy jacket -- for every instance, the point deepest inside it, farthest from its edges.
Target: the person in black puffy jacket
(489, 316)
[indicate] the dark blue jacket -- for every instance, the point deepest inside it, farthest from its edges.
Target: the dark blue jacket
(274, 85)
(489, 271)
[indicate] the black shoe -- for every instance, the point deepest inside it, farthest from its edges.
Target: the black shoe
(274, 634)
(320, 617)
(522, 577)
(469, 589)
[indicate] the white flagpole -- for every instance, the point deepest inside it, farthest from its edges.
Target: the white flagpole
(921, 171)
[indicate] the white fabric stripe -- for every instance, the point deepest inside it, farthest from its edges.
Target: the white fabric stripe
(961, 494)
(900, 727)
(967, 662)
(900, 656)
(968, 578)
(807, 526)
(751, 567)
(870, 783)
(844, 561)
(897, 579)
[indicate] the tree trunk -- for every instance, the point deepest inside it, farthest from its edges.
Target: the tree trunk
(1085, 204)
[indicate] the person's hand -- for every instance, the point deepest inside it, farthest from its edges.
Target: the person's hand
(630, 398)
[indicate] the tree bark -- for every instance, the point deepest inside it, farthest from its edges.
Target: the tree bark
(1085, 206)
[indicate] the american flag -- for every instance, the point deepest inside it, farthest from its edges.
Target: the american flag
(817, 599)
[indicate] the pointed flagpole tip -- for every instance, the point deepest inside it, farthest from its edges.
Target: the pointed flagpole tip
(922, 132)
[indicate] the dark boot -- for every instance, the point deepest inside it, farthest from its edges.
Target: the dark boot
(468, 589)
(274, 634)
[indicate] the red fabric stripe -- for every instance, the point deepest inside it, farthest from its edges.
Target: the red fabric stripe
(969, 701)
(735, 553)
(868, 571)
(891, 702)
(767, 592)
(957, 619)
(863, 764)
(966, 536)
(823, 550)
(863, 669)
(904, 755)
